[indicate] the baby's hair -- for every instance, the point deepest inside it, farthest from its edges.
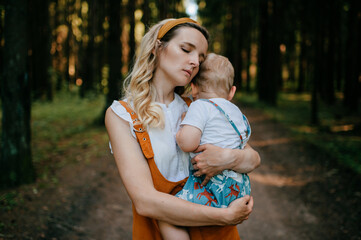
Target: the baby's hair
(216, 74)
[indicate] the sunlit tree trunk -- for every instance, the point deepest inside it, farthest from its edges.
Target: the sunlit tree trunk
(303, 61)
(15, 155)
(69, 42)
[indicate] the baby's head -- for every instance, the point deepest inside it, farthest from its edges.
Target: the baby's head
(215, 77)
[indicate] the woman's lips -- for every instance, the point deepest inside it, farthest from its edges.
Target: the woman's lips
(189, 72)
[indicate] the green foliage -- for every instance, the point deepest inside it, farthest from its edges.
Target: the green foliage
(9, 200)
(62, 127)
(337, 136)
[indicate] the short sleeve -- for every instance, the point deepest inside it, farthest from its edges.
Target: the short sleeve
(121, 112)
(196, 115)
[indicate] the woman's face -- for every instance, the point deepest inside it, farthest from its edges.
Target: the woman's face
(178, 61)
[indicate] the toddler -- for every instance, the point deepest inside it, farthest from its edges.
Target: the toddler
(212, 119)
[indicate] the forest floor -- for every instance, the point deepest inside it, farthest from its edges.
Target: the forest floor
(299, 193)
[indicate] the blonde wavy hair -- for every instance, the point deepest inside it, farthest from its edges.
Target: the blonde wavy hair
(138, 87)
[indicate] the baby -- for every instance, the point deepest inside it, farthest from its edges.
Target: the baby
(212, 119)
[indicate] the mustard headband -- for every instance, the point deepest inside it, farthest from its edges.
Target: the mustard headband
(172, 23)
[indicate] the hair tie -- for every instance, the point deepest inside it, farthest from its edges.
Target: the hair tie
(172, 23)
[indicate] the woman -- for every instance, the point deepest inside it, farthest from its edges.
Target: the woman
(169, 57)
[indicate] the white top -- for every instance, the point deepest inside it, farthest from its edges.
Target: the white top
(171, 161)
(214, 125)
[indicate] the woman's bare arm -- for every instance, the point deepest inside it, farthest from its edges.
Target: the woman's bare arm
(214, 160)
(135, 174)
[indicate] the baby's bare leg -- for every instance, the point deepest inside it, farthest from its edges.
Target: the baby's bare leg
(171, 232)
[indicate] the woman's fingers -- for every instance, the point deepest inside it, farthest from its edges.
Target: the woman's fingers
(241, 209)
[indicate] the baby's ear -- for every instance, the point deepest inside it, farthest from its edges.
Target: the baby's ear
(231, 93)
(194, 91)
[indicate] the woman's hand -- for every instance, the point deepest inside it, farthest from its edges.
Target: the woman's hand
(214, 160)
(239, 210)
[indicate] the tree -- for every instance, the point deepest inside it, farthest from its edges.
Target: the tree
(269, 54)
(352, 85)
(90, 69)
(15, 158)
(131, 42)
(115, 53)
(40, 49)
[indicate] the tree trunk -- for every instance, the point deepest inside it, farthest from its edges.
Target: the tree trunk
(318, 47)
(15, 158)
(131, 19)
(352, 85)
(268, 55)
(89, 71)
(303, 61)
(237, 42)
(40, 50)
(115, 53)
(146, 18)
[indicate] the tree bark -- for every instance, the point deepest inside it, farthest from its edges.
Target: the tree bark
(15, 159)
(269, 55)
(131, 19)
(352, 85)
(115, 53)
(40, 50)
(90, 68)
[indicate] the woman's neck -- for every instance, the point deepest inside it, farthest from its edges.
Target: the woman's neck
(163, 92)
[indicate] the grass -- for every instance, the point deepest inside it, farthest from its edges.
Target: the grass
(67, 124)
(337, 135)
(63, 132)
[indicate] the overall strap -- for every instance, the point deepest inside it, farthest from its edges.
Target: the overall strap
(140, 132)
(248, 131)
(187, 100)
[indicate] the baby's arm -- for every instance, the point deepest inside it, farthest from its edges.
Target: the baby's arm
(188, 138)
(172, 232)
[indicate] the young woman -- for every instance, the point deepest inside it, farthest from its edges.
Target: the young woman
(142, 132)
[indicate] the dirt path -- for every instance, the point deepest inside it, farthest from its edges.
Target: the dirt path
(296, 197)
(279, 212)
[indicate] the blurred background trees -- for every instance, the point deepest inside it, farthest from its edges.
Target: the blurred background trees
(87, 47)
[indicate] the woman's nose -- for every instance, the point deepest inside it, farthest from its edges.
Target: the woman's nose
(194, 61)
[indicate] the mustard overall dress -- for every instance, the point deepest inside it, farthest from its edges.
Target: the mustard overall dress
(145, 228)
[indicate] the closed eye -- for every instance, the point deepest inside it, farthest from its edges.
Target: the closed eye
(185, 50)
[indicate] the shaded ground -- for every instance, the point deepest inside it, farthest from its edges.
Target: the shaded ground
(299, 194)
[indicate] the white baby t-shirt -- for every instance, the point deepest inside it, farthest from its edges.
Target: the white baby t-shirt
(214, 125)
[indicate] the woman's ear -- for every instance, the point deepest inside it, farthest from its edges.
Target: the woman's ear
(158, 44)
(231, 93)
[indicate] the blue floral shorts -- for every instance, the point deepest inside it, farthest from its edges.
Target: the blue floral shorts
(219, 192)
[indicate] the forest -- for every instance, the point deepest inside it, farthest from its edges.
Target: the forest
(63, 63)
(87, 47)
